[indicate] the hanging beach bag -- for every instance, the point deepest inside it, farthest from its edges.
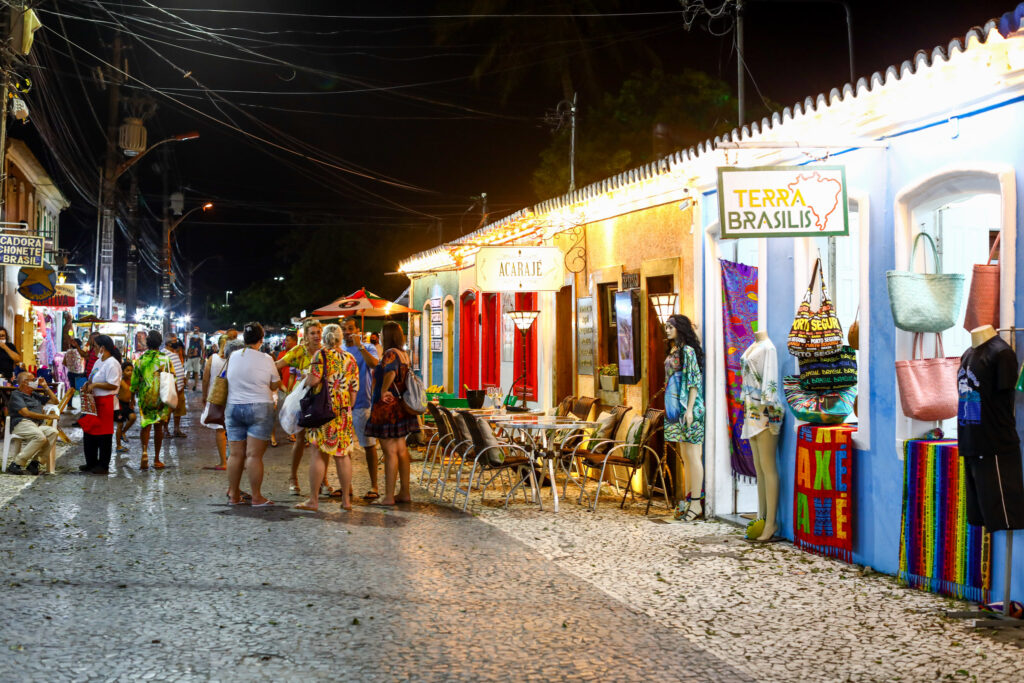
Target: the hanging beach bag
(815, 333)
(925, 302)
(835, 371)
(818, 407)
(315, 407)
(983, 299)
(928, 386)
(216, 400)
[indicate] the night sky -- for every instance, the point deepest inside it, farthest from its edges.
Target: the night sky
(387, 101)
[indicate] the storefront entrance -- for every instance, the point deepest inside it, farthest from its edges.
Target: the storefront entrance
(564, 351)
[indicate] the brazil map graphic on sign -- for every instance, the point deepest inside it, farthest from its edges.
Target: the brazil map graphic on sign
(782, 201)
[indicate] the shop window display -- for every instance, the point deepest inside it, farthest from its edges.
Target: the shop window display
(963, 231)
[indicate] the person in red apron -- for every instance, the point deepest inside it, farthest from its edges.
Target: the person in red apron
(103, 383)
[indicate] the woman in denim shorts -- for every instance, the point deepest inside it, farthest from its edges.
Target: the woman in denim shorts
(249, 414)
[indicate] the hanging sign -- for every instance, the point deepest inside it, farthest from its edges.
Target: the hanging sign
(519, 269)
(21, 250)
(37, 284)
(585, 335)
(783, 201)
(63, 297)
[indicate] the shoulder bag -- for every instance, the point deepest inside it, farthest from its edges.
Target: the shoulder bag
(315, 409)
(168, 389)
(925, 302)
(983, 299)
(414, 396)
(835, 371)
(815, 333)
(928, 386)
(217, 398)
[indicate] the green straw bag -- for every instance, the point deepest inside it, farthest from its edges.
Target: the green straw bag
(925, 302)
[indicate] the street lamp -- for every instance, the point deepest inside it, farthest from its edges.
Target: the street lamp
(105, 246)
(165, 285)
(523, 320)
(226, 296)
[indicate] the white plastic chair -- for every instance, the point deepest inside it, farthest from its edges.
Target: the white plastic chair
(10, 436)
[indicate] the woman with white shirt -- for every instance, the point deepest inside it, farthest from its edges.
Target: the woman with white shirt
(103, 383)
(249, 414)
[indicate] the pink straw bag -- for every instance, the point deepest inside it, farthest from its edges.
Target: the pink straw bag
(983, 301)
(928, 389)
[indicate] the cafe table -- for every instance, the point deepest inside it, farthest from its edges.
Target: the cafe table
(543, 426)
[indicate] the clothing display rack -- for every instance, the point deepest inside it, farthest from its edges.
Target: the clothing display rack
(995, 619)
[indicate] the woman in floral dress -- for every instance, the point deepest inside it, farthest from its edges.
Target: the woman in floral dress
(336, 371)
(146, 387)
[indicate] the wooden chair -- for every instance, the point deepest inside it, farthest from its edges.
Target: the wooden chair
(495, 457)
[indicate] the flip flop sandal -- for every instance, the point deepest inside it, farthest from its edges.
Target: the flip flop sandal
(300, 506)
(158, 465)
(371, 495)
(219, 468)
(336, 493)
(264, 504)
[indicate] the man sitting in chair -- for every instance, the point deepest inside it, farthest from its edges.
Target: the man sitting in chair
(27, 416)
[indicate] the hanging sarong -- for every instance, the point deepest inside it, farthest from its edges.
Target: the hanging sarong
(823, 521)
(739, 315)
(939, 551)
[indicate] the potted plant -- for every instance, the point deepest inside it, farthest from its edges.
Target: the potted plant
(609, 377)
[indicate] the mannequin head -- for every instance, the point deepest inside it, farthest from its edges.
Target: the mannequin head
(682, 332)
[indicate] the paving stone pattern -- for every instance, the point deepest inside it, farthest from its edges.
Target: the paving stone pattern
(151, 576)
(771, 611)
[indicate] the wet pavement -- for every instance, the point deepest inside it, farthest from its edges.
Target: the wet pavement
(152, 576)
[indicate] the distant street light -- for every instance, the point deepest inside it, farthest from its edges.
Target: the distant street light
(279, 278)
(168, 275)
(226, 296)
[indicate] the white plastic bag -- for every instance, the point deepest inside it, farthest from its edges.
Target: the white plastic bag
(290, 410)
(168, 389)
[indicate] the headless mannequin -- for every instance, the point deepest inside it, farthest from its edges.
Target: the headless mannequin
(980, 335)
(763, 445)
(691, 452)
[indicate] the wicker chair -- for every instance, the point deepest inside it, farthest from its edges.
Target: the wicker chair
(582, 405)
(437, 443)
(574, 447)
(458, 450)
(495, 457)
(631, 456)
(565, 406)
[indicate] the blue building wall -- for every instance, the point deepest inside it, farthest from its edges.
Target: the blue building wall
(990, 136)
(438, 285)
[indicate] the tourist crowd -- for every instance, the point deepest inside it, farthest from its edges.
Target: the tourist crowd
(356, 387)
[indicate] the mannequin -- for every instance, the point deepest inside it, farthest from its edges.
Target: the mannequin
(987, 432)
(684, 409)
(762, 420)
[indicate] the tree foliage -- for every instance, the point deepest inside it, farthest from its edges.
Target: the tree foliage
(617, 133)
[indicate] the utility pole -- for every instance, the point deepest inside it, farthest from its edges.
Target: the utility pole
(165, 279)
(740, 66)
(6, 24)
(105, 276)
(131, 294)
(572, 144)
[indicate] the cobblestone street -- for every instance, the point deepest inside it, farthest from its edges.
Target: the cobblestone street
(150, 575)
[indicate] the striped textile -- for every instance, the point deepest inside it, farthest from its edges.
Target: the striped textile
(823, 519)
(939, 551)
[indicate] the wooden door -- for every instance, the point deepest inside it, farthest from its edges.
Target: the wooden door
(661, 284)
(564, 346)
(469, 346)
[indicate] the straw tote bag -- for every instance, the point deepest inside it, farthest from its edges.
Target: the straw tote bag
(928, 386)
(983, 300)
(925, 302)
(815, 333)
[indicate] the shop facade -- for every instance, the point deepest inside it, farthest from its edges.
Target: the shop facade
(930, 146)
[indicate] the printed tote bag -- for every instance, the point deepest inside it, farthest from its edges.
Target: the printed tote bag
(815, 333)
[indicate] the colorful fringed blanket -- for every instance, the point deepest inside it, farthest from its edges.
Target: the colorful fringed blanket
(824, 490)
(939, 551)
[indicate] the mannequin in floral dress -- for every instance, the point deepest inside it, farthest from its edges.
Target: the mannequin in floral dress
(684, 409)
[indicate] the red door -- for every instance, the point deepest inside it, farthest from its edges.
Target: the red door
(490, 346)
(469, 343)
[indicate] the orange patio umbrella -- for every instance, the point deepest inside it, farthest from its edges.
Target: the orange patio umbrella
(361, 303)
